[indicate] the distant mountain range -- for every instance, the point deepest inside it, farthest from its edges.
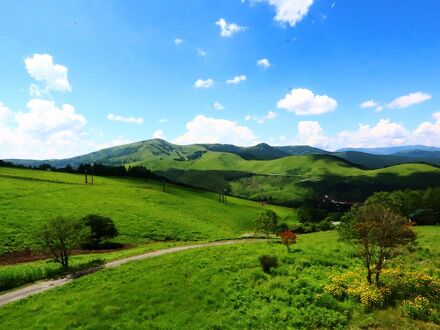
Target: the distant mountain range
(392, 150)
(285, 175)
(157, 149)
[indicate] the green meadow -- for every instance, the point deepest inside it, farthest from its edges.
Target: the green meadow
(140, 209)
(224, 288)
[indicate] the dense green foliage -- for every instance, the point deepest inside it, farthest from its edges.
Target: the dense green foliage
(223, 287)
(101, 228)
(422, 207)
(142, 212)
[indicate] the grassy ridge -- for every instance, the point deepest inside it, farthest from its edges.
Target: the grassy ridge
(141, 211)
(222, 288)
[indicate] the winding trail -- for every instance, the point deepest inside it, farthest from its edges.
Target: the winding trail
(47, 285)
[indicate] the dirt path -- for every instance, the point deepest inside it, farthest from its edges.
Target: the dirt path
(47, 285)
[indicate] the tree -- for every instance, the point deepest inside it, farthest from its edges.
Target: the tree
(431, 206)
(266, 223)
(59, 236)
(377, 232)
(288, 237)
(100, 228)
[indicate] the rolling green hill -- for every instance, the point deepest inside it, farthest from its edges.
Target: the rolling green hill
(263, 172)
(141, 210)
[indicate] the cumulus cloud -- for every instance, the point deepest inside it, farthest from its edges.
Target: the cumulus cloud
(236, 79)
(264, 63)
(408, 100)
(228, 29)
(384, 133)
(159, 134)
(310, 133)
(218, 106)
(200, 83)
(289, 11)
(54, 76)
(44, 131)
(428, 132)
(302, 101)
(381, 134)
(132, 120)
(5, 113)
(212, 130)
(178, 41)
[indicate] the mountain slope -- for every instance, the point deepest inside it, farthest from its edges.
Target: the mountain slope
(269, 172)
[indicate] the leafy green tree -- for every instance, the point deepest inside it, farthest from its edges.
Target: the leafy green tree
(431, 206)
(266, 223)
(101, 228)
(376, 231)
(59, 236)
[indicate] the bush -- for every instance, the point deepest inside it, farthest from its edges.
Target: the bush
(268, 262)
(101, 228)
(418, 292)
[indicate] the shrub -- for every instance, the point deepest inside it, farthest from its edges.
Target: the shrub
(288, 237)
(101, 228)
(268, 262)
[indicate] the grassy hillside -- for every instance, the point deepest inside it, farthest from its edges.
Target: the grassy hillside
(270, 172)
(222, 288)
(141, 211)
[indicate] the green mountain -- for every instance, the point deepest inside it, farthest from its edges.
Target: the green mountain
(286, 175)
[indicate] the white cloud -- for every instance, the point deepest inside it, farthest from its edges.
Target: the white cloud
(44, 131)
(310, 133)
(163, 120)
(212, 130)
(45, 118)
(178, 41)
(159, 134)
(290, 11)
(262, 119)
(201, 52)
(132, 120)
(228, 29)
(302, 101)
(369, 104)
(200, 83)
(218, 106)
(408, 100)
(236, 79)
(427, 132)
(264, 63)
(5, 113)
(384, 133)
(41, 68)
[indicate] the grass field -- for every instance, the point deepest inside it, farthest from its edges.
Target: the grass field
(221, 288)
(141, 210)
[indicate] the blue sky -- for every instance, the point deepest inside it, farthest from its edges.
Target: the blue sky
(77, 76)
